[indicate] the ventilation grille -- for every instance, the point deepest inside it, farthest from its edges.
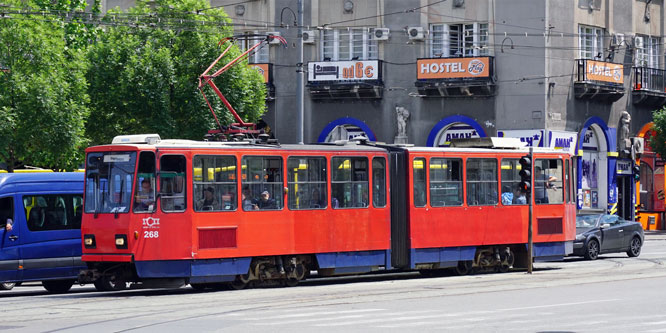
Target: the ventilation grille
(217, 238)
(549, 226)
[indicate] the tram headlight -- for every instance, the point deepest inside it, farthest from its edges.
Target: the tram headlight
(121, 241)
(89, 241)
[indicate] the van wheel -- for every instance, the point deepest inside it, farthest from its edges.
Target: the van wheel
(58, 286)
(7, 285)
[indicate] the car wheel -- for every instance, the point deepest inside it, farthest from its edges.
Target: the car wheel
(592, 250)
(635, 247)
(58, 286)
(7, 285)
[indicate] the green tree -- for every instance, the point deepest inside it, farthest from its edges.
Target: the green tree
(43, 99)
(658, 141)
(144, 79)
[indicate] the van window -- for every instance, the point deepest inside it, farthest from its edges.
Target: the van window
(53, 212)
(6, 210)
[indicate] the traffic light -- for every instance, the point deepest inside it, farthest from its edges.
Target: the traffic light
(525, 174)
(636, 171)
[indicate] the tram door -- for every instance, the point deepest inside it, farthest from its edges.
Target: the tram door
(625, 197)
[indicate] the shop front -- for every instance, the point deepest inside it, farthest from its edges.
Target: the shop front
(650, 196)
(346, 128)
(454, 127)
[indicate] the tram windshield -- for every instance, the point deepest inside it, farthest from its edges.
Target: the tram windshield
(109, 178)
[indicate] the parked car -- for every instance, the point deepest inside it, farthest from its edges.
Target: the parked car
(44, 240)
(602, 233)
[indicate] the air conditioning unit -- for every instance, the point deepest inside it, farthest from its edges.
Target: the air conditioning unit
(638, 145)
(381, 34)
(638, 42)
(274, 40)
(415, 33)
(308, 36)
(618, 39)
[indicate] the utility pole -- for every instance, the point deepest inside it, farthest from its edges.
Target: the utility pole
(301, 74)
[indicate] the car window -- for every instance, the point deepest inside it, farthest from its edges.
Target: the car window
(586, 221)
(610, 219)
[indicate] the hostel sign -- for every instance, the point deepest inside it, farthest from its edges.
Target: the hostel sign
(452, 68)
(604, 71)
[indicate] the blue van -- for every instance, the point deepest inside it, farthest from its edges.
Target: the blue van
(44, 240)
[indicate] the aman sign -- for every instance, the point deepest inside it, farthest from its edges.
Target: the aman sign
(452, 68)
(604, 71)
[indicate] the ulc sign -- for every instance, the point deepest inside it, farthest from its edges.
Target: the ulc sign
(343, 70)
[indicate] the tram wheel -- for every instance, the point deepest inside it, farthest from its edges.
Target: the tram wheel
(463, 268)
(237, 284)
(105, 284)
(58, 286)
(291, 282)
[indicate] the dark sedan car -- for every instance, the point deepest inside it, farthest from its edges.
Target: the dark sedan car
(602, 233)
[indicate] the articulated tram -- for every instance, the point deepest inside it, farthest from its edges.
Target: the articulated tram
(171, 212)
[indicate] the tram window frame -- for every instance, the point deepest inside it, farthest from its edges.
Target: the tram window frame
(546, 183)
(432, 175)
(511, 183)
(420, 181)
(170, 201)
(146, 170)
(567, 175)
(202, 182)
(379, 184)
(477, 178)
(354, 185)
(276, 192)
(294, 197)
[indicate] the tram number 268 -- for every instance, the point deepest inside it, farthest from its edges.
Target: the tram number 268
(151, 234)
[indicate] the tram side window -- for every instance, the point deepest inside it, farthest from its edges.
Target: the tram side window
(349, 182)
(144, 199)
(511, 192)
(548, 185)
(214, 186)
(53, 212)
(172, 183)
(306, 177)
(262, 182)
(445, 182)
(481, 181)
(379, 182)
(419, 179)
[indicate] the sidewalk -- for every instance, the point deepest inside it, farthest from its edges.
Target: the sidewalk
(655, 235)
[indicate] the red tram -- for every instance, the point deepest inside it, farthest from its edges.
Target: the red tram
(170, 212)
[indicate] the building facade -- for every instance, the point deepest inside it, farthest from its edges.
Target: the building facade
(556, 74)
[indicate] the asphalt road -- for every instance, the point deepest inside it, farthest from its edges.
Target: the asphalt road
(612, 294)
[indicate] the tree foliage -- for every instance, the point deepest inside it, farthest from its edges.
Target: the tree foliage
(43, 98)
(144, 79)
(658, 141)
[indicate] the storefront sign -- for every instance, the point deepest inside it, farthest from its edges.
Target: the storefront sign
(455, 131)
(590, 140)
(343, 71)
(624, 167)
(262, 69)
(564, 141)
(533, 138)
(604, 71)
(448, 68)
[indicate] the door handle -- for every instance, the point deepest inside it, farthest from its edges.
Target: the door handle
(621, 230)
(13, 238)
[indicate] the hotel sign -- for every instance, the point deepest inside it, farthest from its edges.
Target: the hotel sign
(604, 71)
(452, 68)
(366, 70)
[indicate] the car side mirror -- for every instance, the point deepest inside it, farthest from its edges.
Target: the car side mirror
(605, 225)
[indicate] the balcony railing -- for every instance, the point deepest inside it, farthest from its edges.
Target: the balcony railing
(649, 79)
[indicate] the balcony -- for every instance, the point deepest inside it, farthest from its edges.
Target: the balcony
(469, 77)
(649, 86)
(598, 80)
